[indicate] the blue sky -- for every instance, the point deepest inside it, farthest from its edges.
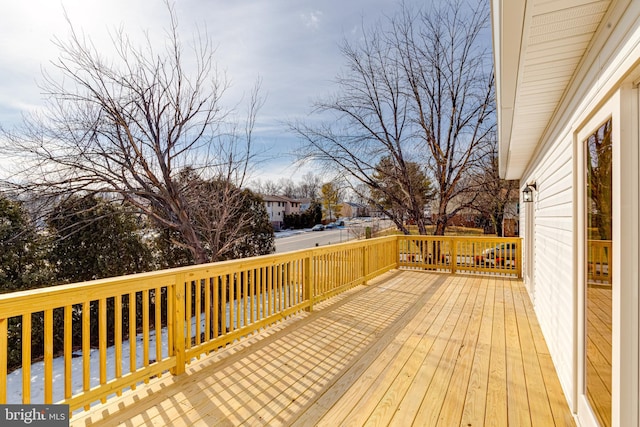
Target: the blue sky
(293, 46)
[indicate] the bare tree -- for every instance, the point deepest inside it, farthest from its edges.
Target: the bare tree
(267, 187)
(231, 222)
(416, 90)
(287, 188)
(309, 187)
(128, 125)
(495, 197)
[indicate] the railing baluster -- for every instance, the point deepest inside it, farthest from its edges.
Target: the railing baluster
(3, 360)
(280, 284)
(252, 292)
(293, 281)
(86, 348)
(48, 356)
(286, 270)
(133, 323)
(102, 343)
(245, 296)
(343, 271)
(171, 319)
(297, 281)
(68, 348)
(198, 310)
(207, 308)
(117, 337)
(158, 324)
(365, 265)
(289, 284)
(233, 279)
(145, 330)
(263, 292)
(26, 358)
(216, 305)
(224, 283)
(270, 295)
(308, 281)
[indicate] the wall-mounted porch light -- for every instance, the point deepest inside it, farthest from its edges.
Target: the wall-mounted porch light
(527, 193)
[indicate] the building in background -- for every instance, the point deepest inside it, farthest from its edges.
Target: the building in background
(354, 210)
(278, 207)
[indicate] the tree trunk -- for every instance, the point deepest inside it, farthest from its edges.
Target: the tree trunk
(441, 220)
(441, 225)
(497, 224)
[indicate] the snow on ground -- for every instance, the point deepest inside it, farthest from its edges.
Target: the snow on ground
(289, 233)
(14, 379)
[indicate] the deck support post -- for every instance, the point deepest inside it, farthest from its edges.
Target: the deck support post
(178, 324)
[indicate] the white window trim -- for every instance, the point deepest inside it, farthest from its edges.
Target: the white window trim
(623, 108)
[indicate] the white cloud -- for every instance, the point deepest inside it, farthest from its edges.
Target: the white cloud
(292, 46)
(312, 19)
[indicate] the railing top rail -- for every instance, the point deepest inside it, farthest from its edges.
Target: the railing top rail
(12, 303)
(471, 238)
(39, 299)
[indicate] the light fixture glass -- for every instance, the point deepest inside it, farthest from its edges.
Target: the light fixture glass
(527, 193)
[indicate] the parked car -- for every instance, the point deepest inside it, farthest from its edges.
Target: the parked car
(317, 227)
(330, 225)
(502, 255)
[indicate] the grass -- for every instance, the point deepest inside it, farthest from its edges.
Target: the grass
(450, 231)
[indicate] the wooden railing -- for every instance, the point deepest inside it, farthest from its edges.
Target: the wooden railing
(599, 265)
(487, 255)
(173, 316)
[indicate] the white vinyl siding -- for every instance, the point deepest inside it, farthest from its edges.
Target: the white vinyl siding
(553, 290)
(605, 83)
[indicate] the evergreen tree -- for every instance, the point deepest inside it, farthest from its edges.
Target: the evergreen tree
(93, 239)
(22, 249)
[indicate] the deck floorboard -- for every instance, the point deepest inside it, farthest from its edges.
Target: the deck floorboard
(411, 347)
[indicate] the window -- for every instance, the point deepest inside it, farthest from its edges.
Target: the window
(598, 284)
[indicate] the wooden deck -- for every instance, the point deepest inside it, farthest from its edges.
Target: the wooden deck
(410, 348)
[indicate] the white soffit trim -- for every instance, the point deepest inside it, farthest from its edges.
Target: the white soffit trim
(538, 46)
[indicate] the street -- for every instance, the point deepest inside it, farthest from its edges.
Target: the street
(310, 239)
(305, 239)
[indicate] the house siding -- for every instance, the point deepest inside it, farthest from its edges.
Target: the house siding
(552, 293)
(604, 84)
(612, 62)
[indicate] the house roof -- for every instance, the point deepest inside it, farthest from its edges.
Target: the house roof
(355, 205)
(538, 47)
(273, 198)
